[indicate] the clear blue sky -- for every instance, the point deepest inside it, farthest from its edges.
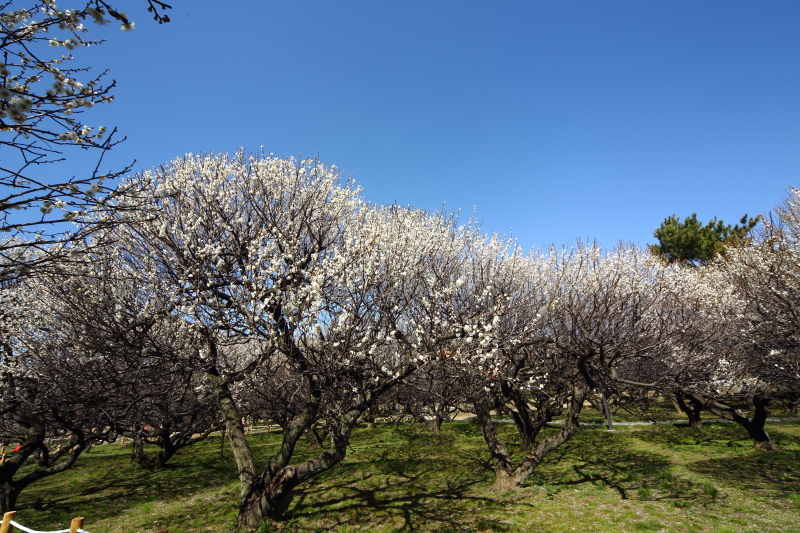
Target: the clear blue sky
(557, 119)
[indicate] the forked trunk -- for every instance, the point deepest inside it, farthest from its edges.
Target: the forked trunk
(268, 496)
(691, 409)
(150, 462)
(504, 480)
(265, 494)
(570, 427)
(435, 424)
(503, 467)
(312, 440)
(506, 475)
(754, 426)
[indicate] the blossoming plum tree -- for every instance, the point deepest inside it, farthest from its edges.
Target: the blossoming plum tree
(282, 257)
(88, 353)
(576, 321)
(41, 99)
(750, 337)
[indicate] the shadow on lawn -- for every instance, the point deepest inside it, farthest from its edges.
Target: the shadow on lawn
(108, 483)
(413, 480)
(723, 434)
(434, 488)
(713, 434)
(600, 458)
(733, 459)
(759, 472)
(409, 501)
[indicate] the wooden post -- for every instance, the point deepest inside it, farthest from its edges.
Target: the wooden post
(5, 527)
(77, 523)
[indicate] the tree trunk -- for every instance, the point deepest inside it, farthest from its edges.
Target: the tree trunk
(691, 410)
(265, 494)
(34, 441)
(526, 427)
(609, 424)
(269, 496)
(570, 427)
(503, 468)
(152, 462)
(251, 514)
(504, 480)
(8, 497)
(675, 403)
(754, 426)
(42, 456)
(506, 476)
(312, 440)
(435, 424)
(369, 419)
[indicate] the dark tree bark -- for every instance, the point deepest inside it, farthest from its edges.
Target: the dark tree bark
(169, 443)
(507, 475)
(265, 494)
(57, 462)
(753, 425)
(527, 426)
(314, 440)
(691, 409)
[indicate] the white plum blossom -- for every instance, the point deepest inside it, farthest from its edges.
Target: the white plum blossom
(42, 100)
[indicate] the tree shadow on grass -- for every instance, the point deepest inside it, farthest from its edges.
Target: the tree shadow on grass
(409, 503)
(722, 434)
(108, 483)
(422, 481)
(602, 458)
(765, 473)
(732, 460)
(435, 490)
(713, 434)
(725, 454)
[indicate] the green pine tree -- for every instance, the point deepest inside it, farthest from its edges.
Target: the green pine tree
(692, 243)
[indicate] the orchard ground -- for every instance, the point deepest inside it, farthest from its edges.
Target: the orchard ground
(638, 478)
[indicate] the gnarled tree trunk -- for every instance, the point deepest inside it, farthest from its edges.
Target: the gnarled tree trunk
(691, 409)
(51, 463)
(754, 426)
(508, 476)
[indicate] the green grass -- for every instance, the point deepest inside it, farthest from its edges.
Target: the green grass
(641, 478)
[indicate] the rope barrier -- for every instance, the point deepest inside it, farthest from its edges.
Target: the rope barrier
(9, 524)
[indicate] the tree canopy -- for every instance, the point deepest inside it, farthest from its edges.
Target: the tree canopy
(269, 289)
(691, 242)
(43, 97)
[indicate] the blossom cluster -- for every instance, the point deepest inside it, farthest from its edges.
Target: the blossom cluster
(284, 262)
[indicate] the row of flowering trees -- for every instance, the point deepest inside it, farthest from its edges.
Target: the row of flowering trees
(250, 285)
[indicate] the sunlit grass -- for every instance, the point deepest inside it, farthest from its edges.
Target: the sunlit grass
(645, 478)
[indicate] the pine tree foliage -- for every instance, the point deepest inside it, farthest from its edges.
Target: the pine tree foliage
(691, 242)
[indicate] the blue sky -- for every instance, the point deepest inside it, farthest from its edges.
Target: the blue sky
(557, 119)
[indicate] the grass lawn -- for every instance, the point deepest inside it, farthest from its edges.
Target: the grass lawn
(639, 478)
